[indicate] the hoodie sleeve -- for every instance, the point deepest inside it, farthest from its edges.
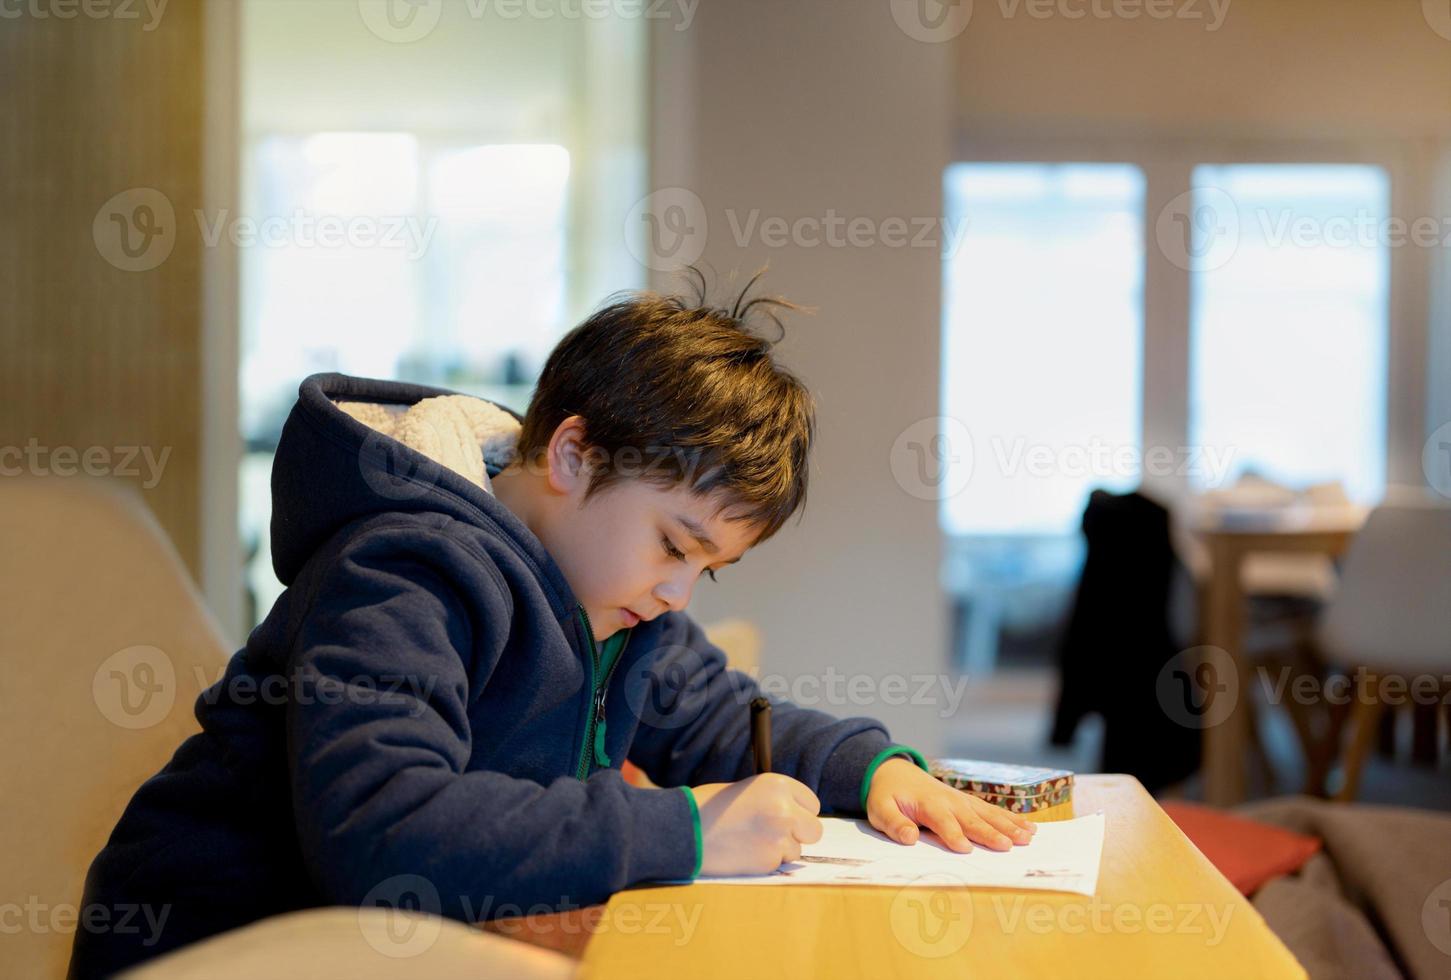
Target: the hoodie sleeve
(378, 742)
(695, 728)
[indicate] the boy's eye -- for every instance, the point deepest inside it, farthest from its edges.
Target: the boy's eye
(679, 555)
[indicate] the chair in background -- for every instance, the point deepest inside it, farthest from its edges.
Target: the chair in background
(1391, 616)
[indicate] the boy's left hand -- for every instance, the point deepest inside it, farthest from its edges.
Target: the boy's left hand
(902, 796)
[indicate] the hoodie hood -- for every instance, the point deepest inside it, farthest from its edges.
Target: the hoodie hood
(352, 448)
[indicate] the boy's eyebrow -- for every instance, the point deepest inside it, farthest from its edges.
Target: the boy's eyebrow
(699, 534)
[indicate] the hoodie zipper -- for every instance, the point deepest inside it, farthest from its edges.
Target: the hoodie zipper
(595, 729)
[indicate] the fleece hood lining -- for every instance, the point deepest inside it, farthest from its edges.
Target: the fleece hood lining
(471, 436)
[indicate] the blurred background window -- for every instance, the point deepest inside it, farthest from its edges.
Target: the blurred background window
(1289, 318)
(439, 211)
(1042, 362)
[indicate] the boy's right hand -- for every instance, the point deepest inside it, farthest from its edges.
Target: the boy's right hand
(755, 825)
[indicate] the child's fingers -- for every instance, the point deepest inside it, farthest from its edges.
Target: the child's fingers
(944, 821)
(1008, 821)
(801, 793)
(807, 828)
(1007, 827)
(890, 820)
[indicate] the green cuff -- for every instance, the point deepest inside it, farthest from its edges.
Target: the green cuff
(883, 756)
(695, 819)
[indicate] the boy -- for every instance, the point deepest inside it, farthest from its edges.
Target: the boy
(482, 620)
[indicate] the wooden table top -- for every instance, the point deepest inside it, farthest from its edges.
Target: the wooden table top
(1161, 910)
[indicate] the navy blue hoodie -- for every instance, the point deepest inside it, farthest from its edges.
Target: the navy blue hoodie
(417, 711)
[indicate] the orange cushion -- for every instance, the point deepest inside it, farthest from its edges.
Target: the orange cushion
(1246, 852)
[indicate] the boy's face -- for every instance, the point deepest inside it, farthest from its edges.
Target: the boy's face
(633, 550)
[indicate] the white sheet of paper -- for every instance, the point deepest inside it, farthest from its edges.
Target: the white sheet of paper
(1062, 856)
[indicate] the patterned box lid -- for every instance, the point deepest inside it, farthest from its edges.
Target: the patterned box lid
(1005, 784)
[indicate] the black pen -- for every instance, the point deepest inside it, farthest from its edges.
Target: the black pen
(761, 734)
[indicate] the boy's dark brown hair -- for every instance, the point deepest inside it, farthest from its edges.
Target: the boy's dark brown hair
(677, 391)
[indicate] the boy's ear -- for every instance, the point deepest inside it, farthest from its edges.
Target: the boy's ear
(567, 457)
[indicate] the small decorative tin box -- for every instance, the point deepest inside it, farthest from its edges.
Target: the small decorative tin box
(1043, 794)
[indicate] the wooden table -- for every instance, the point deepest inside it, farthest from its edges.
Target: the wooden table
(1161, 910)
(1325, 531)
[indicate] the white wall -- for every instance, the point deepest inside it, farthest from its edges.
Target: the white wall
(798, 109)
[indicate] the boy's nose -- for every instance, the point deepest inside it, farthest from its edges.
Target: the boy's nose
(675, 593)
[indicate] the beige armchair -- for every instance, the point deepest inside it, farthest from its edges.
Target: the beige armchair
(107, 645)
